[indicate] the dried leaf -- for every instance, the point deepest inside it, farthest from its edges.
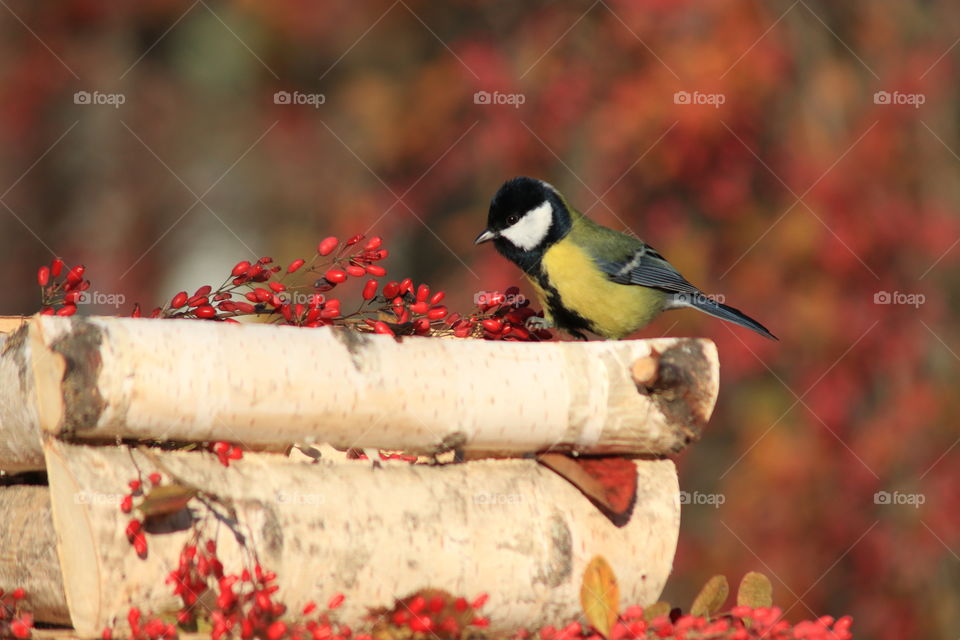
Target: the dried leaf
(711, 597)
(609, 481)
(755, 591)
(656, 610)
(600, 595)
(165, 500)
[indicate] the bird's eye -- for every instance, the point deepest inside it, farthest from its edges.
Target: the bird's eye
(513, 219)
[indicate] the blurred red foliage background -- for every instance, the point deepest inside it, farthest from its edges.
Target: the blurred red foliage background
(816, 204)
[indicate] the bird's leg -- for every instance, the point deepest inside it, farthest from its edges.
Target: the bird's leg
(536, 323)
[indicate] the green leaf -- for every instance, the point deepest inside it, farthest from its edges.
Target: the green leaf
(656, 610)
(755, 591)
(711, 597)
(600, 595)
(166, 500)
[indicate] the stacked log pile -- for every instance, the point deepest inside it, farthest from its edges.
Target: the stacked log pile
(87, 404)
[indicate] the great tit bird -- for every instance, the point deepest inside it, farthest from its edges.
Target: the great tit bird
(589, 277)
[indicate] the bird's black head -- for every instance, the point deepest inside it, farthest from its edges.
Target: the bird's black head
(526, 217)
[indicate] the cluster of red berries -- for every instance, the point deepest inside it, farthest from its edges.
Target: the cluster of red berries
(134, 531)
(501, 316)
(742, 623)
(432, 614)
(225, 451)
(61, 288)
(396, 308)
(14, 623)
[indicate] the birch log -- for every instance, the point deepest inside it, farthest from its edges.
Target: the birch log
(103, 378)
(19, 432)
(510, 528)
(28, 552)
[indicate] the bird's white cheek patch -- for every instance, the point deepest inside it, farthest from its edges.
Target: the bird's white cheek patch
(532, 228)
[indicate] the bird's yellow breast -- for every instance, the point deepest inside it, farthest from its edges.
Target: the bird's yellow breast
(615, 310)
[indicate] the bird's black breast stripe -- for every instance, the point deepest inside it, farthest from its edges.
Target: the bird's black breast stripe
(564, 318)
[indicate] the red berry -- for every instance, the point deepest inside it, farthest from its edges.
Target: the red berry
(355, 271)
(370, 290)
(296, 264)
(406, 285)
(418, 604)
(265, 260)
(18, 593)
(492, 325)
(376, 270)
(206, 311)
(67, 310)
(155, 478)
(382, 327)
(179, 300)
(277, 287)
(203, 291)
(19, 629)
(309, 608)
(460, 604)
(423, 292)
(480, 622)
(327, 245)
(437, 297)
(56, 267)
(335, 276)
(479, 601)
(335, 601)
(355, 239)
(390, 290)
(126, 504)
(276, 630)
(436, 604)
(437, 313)
(76, 274)
(373, 243)
(43, 276)
(133, 528)
(240, 268)
(107, 634)
(134, 485)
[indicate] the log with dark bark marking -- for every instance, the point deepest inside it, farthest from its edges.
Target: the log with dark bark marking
(99, 379)
(28, 552)
(510, 528)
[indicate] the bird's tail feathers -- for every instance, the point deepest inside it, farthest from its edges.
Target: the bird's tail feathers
(716, 309)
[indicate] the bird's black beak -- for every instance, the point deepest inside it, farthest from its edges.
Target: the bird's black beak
(486, 236)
